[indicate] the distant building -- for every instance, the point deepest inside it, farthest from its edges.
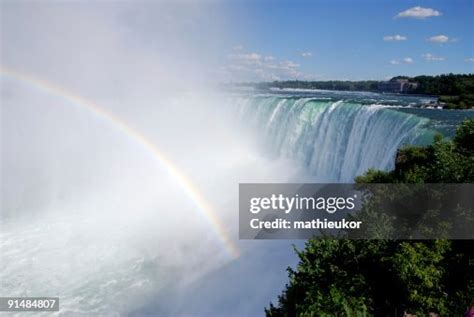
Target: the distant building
(396, 85)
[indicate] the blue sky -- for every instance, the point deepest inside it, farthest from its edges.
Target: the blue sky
(240, 40)
(349, 39)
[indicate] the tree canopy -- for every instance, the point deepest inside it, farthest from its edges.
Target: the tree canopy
(389, 277)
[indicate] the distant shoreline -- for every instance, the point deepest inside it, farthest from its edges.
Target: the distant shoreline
(369, 91)
(453, 91)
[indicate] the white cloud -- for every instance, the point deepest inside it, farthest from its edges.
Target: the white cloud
(306, 54)
(238, 48)
(255, 66)
(432, 58)
(406, 60)
(419, 13)
(396, 37)
(289, 65)
(470, 59)
(440, 39)
(249, 57)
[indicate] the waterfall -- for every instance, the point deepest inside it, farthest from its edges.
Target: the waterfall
(334, 140)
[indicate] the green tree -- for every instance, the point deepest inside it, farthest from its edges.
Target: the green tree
(389, 277)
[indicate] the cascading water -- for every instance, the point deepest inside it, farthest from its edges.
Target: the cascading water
(333, 140)
(129, 236)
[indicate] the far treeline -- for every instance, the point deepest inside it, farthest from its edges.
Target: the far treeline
(456, 91)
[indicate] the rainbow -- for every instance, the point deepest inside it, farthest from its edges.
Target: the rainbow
(187, 186)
